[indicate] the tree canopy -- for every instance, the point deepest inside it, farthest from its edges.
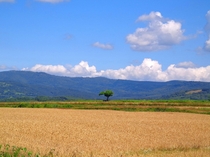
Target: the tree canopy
(107, 94)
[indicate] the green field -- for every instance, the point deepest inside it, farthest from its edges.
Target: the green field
(188, 106)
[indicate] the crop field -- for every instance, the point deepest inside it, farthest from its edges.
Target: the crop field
(188, 106)
(73, 132)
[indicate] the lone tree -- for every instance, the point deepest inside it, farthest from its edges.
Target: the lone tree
(107, 94)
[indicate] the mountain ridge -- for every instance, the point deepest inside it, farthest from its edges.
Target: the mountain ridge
(15, 84)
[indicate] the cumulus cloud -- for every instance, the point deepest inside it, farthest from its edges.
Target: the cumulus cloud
(186, 65)
(52, 1)
(103, 46)
(148, 70)
(160, 33)
(190, 74)
(82, 69)
(52, 69)
(151, 17)
(151, 70)
(10, 1)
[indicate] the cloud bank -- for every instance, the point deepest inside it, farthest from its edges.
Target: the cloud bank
(160, 33)
(148, 70)
(103, 46)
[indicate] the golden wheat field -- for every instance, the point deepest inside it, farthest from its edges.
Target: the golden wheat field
(106, 133)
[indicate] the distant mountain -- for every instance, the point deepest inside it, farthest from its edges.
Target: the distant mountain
(25, 84)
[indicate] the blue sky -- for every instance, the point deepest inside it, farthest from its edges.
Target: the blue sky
(136, 40)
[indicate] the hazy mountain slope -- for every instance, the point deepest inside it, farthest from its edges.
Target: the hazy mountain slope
(15, 84)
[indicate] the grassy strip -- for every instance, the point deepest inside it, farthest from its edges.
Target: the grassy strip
(14, 151)
(201, 107)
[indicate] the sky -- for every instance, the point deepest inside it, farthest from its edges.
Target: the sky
(129, 39)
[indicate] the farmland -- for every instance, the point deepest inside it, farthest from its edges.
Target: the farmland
(189, 106)
(95, 128)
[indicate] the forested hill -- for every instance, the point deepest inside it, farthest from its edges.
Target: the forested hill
(22, 84)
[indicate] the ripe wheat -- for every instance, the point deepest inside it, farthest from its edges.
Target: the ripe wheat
(105, 133)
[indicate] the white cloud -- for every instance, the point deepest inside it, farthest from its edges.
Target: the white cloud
(52, 69)
(160, 34)
(151, 17)
(148, 70)
(189, 74)
(52, 1)
(103, 46)
(82, 69)
(10, 1)
(186, 65)
(151, 70)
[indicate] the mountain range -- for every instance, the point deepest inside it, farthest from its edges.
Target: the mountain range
(27, 84)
